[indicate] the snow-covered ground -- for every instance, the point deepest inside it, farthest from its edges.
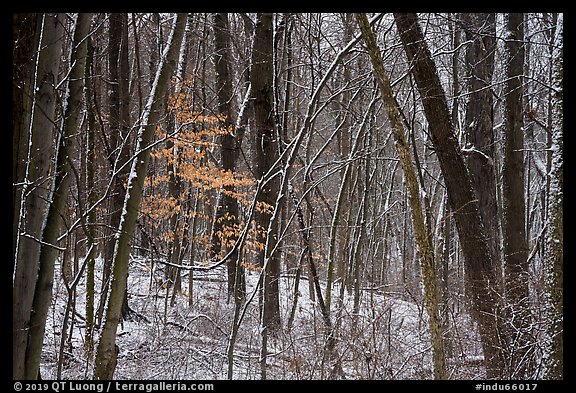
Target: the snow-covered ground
(389, 340)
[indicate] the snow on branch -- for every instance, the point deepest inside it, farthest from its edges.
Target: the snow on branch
(468, 151)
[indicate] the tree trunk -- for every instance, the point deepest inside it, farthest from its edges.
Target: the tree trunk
(344, 139)
(107, 351)
(119, 127)
(478, 258)
(555, 234)
(266, 153)
(25, 35)
(36, 187)
(48, 253)
(515, 249)
(423, 238)
(480, 31)
(227, 211)
(91, 191)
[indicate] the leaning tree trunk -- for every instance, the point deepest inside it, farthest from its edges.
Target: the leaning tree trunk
(36, 186)
(555, 237)
(423, 238)
(478, 258)
(107, 351)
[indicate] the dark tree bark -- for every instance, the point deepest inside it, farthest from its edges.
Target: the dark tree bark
(479, 261)
(91, 199)
(57, 209)
(119, 121)
(227, 205)
(25, 35)
(37, 184)
(480, 30)
(107, 350)
(515, 249)
(266, 153)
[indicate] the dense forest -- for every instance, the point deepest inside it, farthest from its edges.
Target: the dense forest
(287, 196)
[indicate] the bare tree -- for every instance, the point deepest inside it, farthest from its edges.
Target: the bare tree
(227, 205)
(480, 30)
(480, 263)
(423, 238)
(555, 237)
(119, 111)
(372, 168)
(64, 174)
(107, 351)
(513, 205)
(25, 34)
(266, 153)
(36, 188)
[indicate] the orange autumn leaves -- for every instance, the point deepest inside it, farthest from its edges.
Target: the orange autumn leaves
(189, 158)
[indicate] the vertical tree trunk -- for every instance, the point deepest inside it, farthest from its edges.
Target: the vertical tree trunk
(266, 153)
(444, 228)
(227, 205)
(90, 187)
(479, 262)
(178, 238)
(344, 138)
(555, 234)
(36, 186)
(25, 34)
(119, 127)
(48, 253)
(480, 31)
(174, 189)
(513, 215)
(361, 240)
(107, 350)
(423, 238)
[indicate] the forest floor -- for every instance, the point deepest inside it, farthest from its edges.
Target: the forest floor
(388, 339)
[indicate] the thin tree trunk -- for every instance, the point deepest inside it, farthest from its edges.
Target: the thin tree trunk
(344, 138)
(90, 186)
(48, 253)
(423, 238)
(444, 228)
(36, 187)
(107, 351)
(360, 241)
(339, 209)
(192, 247)
(478, 258)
